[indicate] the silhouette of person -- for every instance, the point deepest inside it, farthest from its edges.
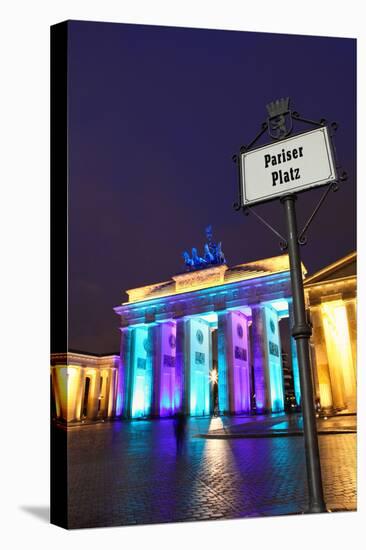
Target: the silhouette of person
(180, 422)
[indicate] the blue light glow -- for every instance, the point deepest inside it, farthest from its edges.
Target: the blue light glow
(141, 373)
(274, 360)
(199, 358)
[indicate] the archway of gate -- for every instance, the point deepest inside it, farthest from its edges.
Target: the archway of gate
(218, 362)
(236, 360)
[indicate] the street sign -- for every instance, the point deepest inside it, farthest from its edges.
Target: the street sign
(280, 171)
(287, 166)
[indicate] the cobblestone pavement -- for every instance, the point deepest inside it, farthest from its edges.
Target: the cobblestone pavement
(128, 473)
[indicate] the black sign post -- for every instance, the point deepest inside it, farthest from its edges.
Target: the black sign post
(301, 331)
(279, 126)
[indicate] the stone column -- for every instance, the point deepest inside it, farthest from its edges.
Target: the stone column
(239, 364)
(156, 342)
(260, 360)
(321, 359)
(56, 392)
(167, 391)
(198, 366)
(223, 361)
(182, 365)
(73, 392)
(233, 359)
(139, 386)
(334, 355)
(348, 353)
(124, 377)
(105, 392)
(80, 394)
(352, 329)
(294, 360)
(150, 357)
(95, 390)
(112, 394)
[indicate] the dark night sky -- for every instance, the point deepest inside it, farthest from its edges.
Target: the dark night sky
(155, 115)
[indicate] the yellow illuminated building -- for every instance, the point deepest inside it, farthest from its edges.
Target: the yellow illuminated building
(84, 387)
(331, 298)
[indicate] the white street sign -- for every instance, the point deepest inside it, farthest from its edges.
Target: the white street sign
(288, 166)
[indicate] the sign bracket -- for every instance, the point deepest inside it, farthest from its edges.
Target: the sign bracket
(250, 210)
(302, 239)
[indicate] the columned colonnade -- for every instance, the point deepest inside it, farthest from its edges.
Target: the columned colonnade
(84, 387)
(166, 367)
(331, 297)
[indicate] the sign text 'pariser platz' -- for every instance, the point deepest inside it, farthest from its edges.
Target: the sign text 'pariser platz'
(288, 166)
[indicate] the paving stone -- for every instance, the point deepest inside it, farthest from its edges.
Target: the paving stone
(123, 473)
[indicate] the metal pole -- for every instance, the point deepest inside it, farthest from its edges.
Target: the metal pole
(301, 331)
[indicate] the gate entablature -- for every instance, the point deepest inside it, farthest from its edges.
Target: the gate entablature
(213, 289)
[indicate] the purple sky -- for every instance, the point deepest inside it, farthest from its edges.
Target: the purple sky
(155, 115)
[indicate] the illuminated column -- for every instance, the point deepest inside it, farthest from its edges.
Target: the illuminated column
(332, 338)
(223, 340)
(62, 385)
(321, 359)
(61, 389)
(349, 353)
(56, 391)
(68, 383)
(198, 363)
(233, 352)
(142, 370)
(124, 376)
(294, 360)
(267, 359)
(260, 361)
(341, 367)
(182, 401)
(274, 358)
(164, 367)
(112, 393)
(239, 371)
(352, 329)
(105, 392)
(314, 371)
(95, 393)
(80, 393)
(89, 402)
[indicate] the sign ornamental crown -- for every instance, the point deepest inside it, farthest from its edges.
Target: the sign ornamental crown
(278, 107)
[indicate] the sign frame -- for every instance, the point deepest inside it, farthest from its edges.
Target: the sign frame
(245, 152)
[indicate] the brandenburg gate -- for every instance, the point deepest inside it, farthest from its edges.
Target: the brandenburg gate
(208, 341)
(219, 324)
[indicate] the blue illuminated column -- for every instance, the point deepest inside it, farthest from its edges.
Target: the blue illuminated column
(223, 340)
(274, 358)
(198, 364)
(294, 360)
(164, 368)
(123, 399)
(141, 370)
(260, 360)
(155, 399)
